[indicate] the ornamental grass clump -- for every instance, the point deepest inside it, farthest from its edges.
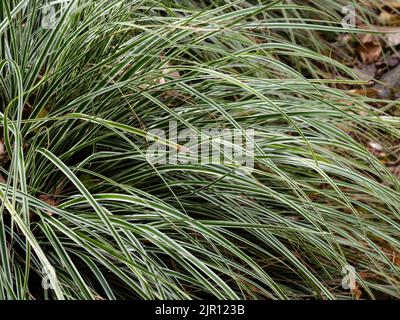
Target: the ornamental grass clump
(89, 87)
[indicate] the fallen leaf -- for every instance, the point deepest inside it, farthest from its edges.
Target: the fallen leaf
(49, 200)
(2, 149)
(394, 4)
(365, 275)
(3, 153)
(357, 293)
(370, 52)
(397, 260)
